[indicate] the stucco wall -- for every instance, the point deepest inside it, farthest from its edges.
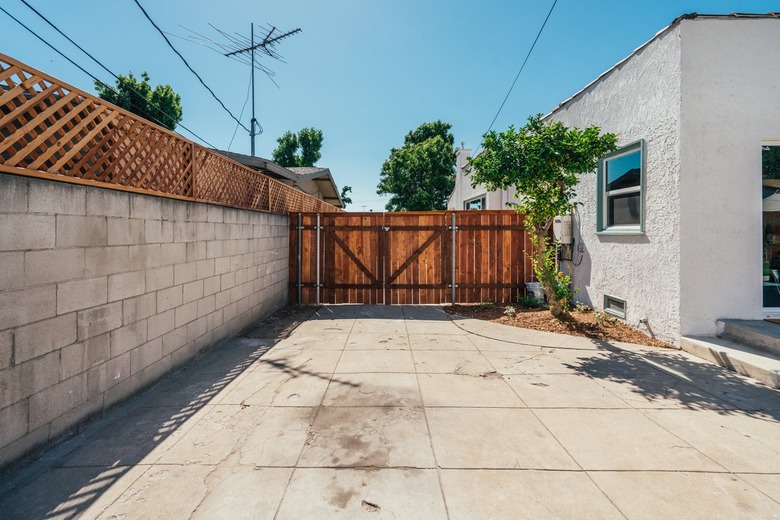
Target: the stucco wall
(102, 292)
(730, 102)
(463, 190)
(640, 99)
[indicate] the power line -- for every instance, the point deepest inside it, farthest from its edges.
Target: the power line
(82, 69)
(240, 115)
(522, 67)
(188, 65)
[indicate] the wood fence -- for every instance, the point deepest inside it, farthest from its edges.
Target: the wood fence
(51, 130)
(411, 258)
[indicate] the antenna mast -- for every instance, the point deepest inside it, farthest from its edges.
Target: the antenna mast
(266, 46)
(242, 49)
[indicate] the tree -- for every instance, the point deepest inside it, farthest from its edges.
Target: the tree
(346, 199)
(420, 175)
(160, 105)
(308, 141)
(542, 161)
(770, 160)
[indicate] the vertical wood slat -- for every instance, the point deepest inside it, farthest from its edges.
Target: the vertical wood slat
(491, 261)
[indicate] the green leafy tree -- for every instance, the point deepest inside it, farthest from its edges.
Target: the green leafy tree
(542, 161)
(770, 159)
(346, 199)
(420, 175)
(301, 149)
(160, 104)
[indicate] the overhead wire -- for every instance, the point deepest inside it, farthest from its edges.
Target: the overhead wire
(162, 33)
(527, 56)
(248, 91)
(82, 69)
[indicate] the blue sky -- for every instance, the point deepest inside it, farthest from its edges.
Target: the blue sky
(363, 71)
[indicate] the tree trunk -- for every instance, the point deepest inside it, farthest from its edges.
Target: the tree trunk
(556, 307)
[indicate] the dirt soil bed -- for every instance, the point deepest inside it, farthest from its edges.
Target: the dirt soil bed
(577, 323)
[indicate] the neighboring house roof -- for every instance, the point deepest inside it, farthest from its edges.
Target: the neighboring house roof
(324, 181)
(319, 178)
(675, 22)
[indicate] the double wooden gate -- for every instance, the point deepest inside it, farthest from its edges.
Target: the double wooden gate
(411, 257)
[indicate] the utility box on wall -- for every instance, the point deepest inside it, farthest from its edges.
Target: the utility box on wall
(562, 229)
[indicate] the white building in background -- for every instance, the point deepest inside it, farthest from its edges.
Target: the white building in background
(464, 196)
(673, 232)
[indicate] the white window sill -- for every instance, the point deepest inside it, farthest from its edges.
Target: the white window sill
(621, 232)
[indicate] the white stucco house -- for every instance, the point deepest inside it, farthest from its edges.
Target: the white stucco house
(676, 229)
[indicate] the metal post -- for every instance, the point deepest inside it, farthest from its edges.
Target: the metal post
(252, 123)
(454, 229)
(318, 258)
(300, 259)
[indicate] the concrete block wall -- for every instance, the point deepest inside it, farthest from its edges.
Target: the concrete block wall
(102, 292)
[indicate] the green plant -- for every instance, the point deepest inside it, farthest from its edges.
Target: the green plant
(529, 302)
(548, 272)
(542, 161)
(581, 307)
(486, 306)
(603, 317)
(510, 311)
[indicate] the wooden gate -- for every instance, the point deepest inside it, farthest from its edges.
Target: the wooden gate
(411, 257)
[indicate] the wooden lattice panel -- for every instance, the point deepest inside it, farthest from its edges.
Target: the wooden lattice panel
(48, 128)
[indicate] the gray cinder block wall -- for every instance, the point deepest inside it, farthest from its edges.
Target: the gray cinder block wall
(102, 292)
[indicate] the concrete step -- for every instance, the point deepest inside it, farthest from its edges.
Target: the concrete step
(758, 334)
(759, 364)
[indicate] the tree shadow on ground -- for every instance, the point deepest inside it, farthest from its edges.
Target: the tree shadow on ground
(657, 375)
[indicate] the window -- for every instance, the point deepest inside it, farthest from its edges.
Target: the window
(621, 191)
(478, 203)
(615, 306)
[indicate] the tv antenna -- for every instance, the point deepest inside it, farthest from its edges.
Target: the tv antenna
(242, 49)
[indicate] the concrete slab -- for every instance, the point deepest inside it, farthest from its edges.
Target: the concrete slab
(379, 326)
(438, 342)
(524, 494)
(150, 495)
(464, 390)
(562, 391)
(412, 494)
(370, 341)
(622, 440)
(407, 412)
(460, 440)
(507, 345)
(737, 441)
(461, 362)
(288, 387)
(684, 495)
(367, 437)
(373, 390)
(298, 359)
(757, 363)
(315, 341)
(372, 361)
(526, 362)
(243, 493)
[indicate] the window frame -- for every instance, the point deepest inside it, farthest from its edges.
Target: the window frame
(482, 197)
(603, 197)
(613, 312)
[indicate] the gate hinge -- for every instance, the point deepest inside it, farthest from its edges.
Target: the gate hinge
(450, 227)
(450, 285)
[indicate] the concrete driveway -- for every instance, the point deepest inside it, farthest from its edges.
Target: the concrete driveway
(402, 412)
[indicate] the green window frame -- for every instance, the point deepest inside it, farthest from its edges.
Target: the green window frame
(621, 191)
